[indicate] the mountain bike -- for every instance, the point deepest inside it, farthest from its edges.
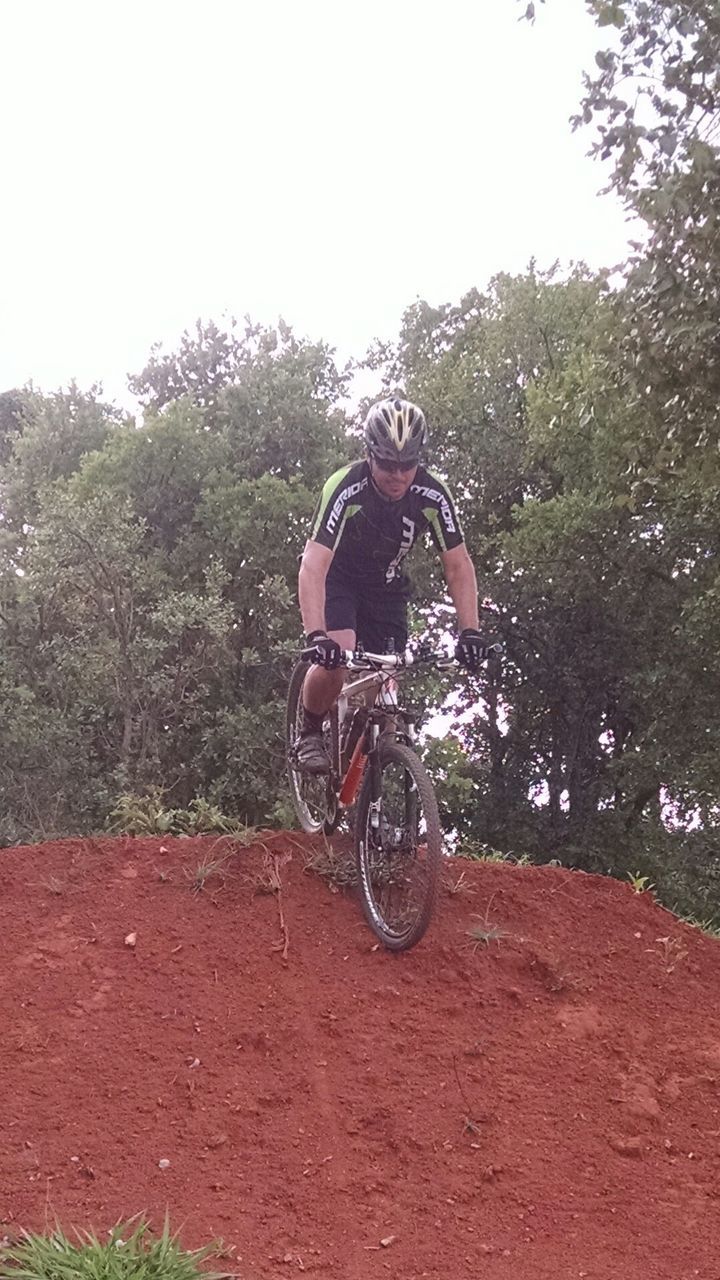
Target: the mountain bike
(370, 739)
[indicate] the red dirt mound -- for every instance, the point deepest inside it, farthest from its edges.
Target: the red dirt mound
(539, 1108)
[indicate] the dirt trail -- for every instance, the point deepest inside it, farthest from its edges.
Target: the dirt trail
(543, 1108)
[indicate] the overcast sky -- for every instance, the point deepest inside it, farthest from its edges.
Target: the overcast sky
(329, 161)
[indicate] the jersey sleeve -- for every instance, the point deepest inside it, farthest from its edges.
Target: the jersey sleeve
(439, 510)
(337, 501)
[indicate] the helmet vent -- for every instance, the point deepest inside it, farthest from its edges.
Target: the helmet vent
(395, 430)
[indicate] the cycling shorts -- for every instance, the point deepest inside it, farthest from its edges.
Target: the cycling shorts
(377, 615)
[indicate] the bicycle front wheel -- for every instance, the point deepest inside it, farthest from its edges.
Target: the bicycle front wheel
(398, 846)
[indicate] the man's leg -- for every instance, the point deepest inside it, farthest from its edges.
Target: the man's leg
(320, 690)
(322, 687)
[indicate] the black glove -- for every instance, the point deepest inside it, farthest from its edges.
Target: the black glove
(322, 650)
(472, 648)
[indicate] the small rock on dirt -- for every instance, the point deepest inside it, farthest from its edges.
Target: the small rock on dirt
(627, 1146)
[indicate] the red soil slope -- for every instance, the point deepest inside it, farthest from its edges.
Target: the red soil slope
(542, 1108)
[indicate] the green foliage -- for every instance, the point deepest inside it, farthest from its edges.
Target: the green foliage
(272, 396)
(656, 107)
(14, 406)
(50, 784)
(147, 585)
(640, 884)
(654, 98)
(454, 776)
(608, 622)
(50, 437)
(150, 815)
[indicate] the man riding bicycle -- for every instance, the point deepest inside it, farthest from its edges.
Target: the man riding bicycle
(351, 587)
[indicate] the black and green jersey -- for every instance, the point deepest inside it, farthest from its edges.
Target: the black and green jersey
(369, 534)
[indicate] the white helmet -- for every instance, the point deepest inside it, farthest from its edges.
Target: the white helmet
(395, 431)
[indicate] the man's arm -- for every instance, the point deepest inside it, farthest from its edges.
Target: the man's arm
(314, 566)
(462, 585)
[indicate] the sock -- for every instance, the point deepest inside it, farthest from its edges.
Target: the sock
(312, 723)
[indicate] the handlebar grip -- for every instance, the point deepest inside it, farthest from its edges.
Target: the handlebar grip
(307, 654)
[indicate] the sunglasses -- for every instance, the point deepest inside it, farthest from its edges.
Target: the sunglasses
(392, 468)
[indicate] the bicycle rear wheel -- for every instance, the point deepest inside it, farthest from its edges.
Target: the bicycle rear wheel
(311, 794)
(398, 846)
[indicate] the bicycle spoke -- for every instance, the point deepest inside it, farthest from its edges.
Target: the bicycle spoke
(399, 849)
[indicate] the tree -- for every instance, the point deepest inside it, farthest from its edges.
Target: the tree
(13, 407)
(147, 579)
(50, 436)
(273, 394)
(655, 103)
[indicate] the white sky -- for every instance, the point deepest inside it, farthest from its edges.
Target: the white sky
(329, 161)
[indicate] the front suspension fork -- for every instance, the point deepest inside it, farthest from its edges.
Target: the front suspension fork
(411, 796)
(375, 775)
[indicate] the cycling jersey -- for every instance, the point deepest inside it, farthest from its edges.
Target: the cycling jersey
(371, 535)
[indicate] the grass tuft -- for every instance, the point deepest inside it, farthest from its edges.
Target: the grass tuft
(456, 885)
(206, 870)
(485, 932)
(335, 866)
(129, 1254)
(640, 884)
(710, 925)
(479, 851)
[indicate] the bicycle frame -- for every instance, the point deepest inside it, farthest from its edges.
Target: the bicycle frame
(380, 681)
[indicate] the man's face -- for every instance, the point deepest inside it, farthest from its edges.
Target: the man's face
(391, 479)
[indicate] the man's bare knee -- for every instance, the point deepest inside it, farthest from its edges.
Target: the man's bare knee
(322, 687)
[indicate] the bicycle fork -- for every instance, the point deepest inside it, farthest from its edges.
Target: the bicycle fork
(375, 776)
(411, 800)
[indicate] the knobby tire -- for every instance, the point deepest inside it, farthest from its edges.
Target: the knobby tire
(310, 794)
(382, 870)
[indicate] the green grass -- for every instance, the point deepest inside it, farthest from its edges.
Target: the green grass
(478, 851)
(710, 925)
(485, 932)
(204, 871)
(130, 1253)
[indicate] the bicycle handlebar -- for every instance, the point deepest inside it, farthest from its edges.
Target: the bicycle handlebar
(361, 660)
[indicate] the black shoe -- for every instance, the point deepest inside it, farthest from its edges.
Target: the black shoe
(311, 755)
